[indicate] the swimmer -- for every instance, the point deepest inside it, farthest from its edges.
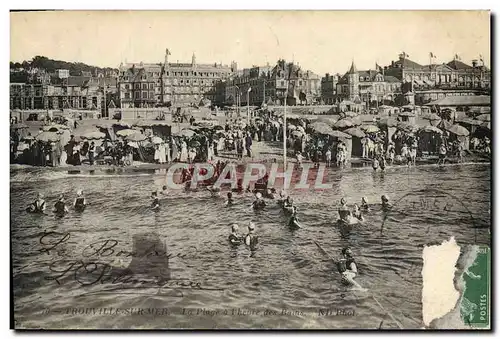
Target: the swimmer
(347, 267)
(80, 203)
(294, 220)
(357, 213)
(385, 202)
(288, 203)
(251, 240)
(344, 212)
(235, 238)
(164, 190)
(364, 204)
(258, 203)
(60, 207)
(229, 200)
(155, 202)
(214, 191)
(38, 206)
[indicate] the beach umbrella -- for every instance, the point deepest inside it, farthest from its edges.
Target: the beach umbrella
(370, 128)
(388, 121)
(48, 136)
(156, 140)
(405, 126)
(458, 130)
(142, 123)
(406, 114)
(320, 127)
(18, 126)
(92, 135)
(297, 134)
(469, 121)
(126, 132)
(343, 123)
(355, 132)
(348, 114)
(484, 117)
(340, 135)
(186, 133)
(329, 121)
(431, 129)
(444, 124)
(135, 137)
(55, 128)
(431, 117)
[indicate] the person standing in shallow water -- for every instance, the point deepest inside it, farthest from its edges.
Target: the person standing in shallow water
(60, 207)
(251, 240)
(235, 238)
(80, 202)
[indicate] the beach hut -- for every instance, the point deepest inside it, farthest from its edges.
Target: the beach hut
(356, 145)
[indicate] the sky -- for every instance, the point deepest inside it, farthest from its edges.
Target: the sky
(321, 41)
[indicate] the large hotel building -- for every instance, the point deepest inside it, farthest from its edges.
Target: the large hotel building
(165, 84)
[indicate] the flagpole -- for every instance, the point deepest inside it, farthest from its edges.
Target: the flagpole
(284, 129)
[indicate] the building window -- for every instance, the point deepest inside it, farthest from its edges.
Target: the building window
(187, 81)
(151, 86)
(182, 81)
(137, 86)
(195, 74)
(151, 95)
(127, 95)
(126, 87)
(168, 73)
(137, 95)
(125, 78)
(144, 95)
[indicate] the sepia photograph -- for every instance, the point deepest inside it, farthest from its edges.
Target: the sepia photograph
(250, 169)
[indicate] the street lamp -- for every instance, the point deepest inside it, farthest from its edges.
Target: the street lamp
(248, 104)
(238, 96)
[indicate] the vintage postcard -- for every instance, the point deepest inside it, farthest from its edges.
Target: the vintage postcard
(250, 170)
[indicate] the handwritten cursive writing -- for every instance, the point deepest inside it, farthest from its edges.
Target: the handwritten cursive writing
(52, 241)
(88, 273)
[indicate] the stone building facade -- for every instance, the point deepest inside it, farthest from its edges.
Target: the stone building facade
(164, 84)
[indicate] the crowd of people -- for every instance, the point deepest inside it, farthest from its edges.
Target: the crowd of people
(236, 139)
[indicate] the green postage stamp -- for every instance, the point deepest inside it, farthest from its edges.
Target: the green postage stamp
(475, 306)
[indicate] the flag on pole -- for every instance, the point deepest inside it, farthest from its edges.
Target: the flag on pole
(168, 52)
(432, 55)
(457, 57)
(481, 57)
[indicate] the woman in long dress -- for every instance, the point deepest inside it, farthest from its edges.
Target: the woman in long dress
(184, 152)
(163, 156)
(167, 152)
(175, 150)
(191, 155)
(157, 154)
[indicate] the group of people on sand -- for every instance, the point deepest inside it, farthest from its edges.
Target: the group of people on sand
(60, 207)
